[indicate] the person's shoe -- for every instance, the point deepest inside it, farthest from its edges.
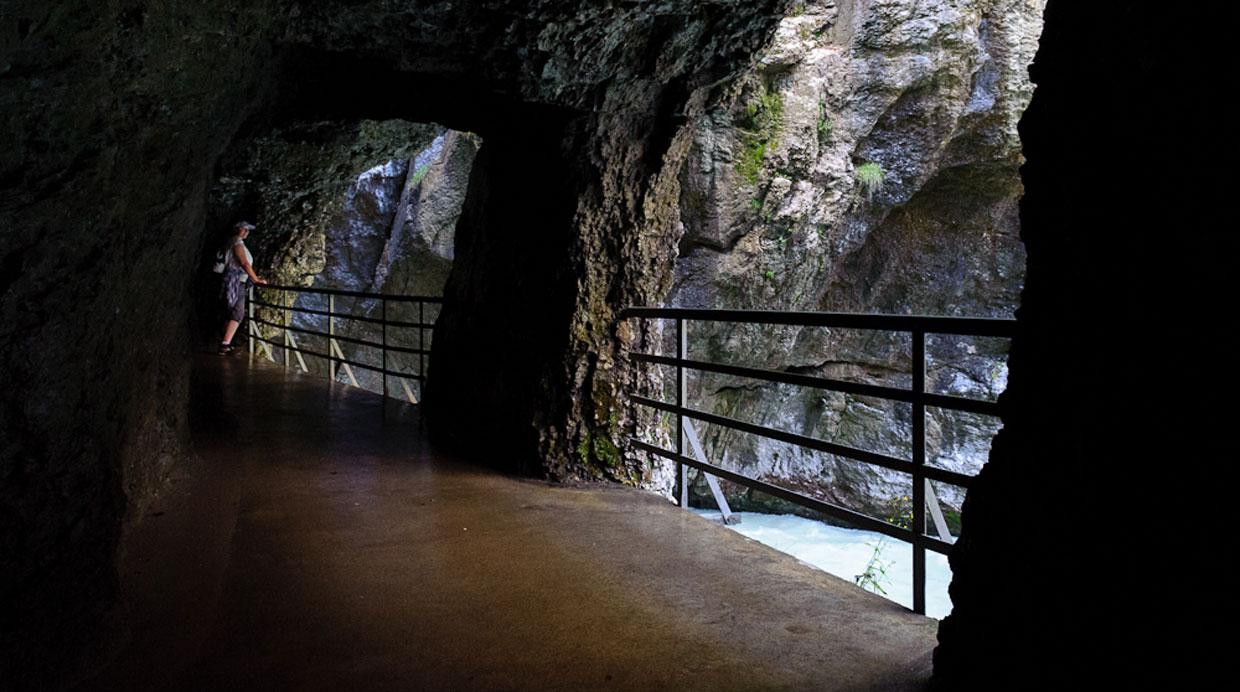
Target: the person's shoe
(225, 349)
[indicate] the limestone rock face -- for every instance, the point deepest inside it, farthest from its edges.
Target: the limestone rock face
(419, 253)
(869, 164)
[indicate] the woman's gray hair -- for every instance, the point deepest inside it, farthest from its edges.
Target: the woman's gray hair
(246, 225)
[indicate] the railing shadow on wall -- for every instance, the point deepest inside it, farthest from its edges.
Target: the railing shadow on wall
(917, 327)
(392, 318)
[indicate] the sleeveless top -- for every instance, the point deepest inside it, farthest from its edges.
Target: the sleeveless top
(232, 266)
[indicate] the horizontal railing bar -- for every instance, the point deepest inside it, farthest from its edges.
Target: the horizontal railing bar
(782, 493)
(411, 325)
(877, 391)
(356, 294)
(979, 406)
(354, 363)
(337, 337)
(791, 438)
(874, 458)
(963, 326)
(958, 403)
(832, 510)
(937, 545)
(935, 473)
(343, 315)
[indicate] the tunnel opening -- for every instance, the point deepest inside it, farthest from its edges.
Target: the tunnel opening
(356, 206)
(503, 245)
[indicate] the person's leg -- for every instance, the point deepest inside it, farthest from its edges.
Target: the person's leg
(234, 296)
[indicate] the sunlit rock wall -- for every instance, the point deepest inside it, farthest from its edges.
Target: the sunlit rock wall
(778, 213)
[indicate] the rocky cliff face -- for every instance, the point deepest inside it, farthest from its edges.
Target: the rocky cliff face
(869, 163)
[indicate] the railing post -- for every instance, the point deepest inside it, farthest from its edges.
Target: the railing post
(682, 471)
(383, 350)
(288, 320)
(421, 349)
(249, 310)
(331, 334)
(919, 478)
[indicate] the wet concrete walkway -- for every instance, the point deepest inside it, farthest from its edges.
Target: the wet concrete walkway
(315, 543)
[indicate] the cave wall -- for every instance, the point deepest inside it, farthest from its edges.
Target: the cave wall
(113, 119)
(1093, 486)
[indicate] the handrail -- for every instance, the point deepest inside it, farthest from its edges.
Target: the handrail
(341, 315)
(918, 326)
(354, 363)
(335, 355)
(337, 337)
(931, 324)
(356, 294)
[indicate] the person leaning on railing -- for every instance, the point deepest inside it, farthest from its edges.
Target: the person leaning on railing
(238, 268)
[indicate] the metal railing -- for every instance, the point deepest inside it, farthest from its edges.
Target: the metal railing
(335, 356)
(918, 327)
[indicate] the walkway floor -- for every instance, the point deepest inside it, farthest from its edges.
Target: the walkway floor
(314, 543)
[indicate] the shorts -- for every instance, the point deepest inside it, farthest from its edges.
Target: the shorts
(233, 294)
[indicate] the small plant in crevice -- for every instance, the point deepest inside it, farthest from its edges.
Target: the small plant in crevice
(781, 233)
(824, 124)
(606, 452)
(874, 575)
(870, 175)
(583, 450)
(419, 174)
(596, 449)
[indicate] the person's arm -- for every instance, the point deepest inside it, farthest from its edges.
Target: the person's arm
(239, 253)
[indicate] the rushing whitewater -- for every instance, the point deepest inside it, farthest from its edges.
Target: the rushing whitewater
(847, 552)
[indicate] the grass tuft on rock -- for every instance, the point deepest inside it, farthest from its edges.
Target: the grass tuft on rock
(870, 175)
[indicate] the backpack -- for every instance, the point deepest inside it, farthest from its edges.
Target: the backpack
(221, 258)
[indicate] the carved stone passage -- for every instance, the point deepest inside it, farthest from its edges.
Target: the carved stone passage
(115, 118)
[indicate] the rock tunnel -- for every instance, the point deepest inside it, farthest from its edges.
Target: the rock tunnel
(116, 115)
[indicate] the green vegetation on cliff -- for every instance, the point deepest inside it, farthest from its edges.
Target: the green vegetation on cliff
(870, 175)
(758, 132)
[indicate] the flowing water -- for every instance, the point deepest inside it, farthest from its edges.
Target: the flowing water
(847, 552)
